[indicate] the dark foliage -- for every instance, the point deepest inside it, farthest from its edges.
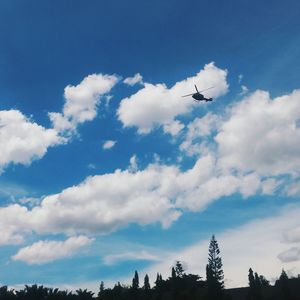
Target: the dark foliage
(179, 286)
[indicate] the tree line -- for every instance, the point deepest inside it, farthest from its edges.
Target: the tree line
(179, 286)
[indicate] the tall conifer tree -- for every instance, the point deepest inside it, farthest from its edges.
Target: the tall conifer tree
(146, 283)
(214, 271)
(215, 262)
(135, 281)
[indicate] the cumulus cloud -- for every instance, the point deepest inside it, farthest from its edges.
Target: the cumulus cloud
(137, 78)
(257, 134)
(173, 128)
(81, 102)
(261, 135)
(46, 251)
(105, 203)
(195, 142)
(240, 162)
(157, 105)
(22, 140)
(109, 144)
(13, 224)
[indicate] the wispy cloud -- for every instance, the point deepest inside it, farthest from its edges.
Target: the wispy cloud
(130, 256)
(137, 78)
(109, 144)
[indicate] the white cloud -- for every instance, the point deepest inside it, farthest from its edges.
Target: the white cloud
(292, 235)
(109, 144)
(198, 131)
(290, 255)
(47, 251)
(270, 185)
(239, 162)
(137, 78)
(173, 128)
(133, 165)
(244, 90)
(105, 203)
(30, 201)
(257, 134)
(155, 105)
(293, 189)
(13, 224)
(91, 166)
(240, 78)
(262, 135)
(131, 255)
(81, 102)
(256, 245)
(22, 140)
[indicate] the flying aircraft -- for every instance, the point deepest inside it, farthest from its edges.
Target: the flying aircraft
(199, 97)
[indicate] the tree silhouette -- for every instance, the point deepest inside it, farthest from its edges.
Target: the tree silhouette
(33, 292)
(264, 282)
(173, 273)
(101, 290)
(84, 294)
(146, 283)
(251, 280)
(135, 281)
(7, 294)
(179, 271)
(214, 272)
(283, 284)
(158, 281)
(258, 286)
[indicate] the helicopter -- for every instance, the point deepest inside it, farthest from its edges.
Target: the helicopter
(199, 97)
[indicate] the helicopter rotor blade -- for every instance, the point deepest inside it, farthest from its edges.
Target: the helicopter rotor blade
(206, 89)
(187, 95)
(196, 88)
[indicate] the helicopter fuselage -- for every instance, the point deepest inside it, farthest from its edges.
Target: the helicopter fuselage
(198, 96)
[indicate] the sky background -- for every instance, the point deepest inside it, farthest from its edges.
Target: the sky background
(106, 169)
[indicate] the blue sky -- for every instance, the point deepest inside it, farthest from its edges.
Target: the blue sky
(76, 76)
